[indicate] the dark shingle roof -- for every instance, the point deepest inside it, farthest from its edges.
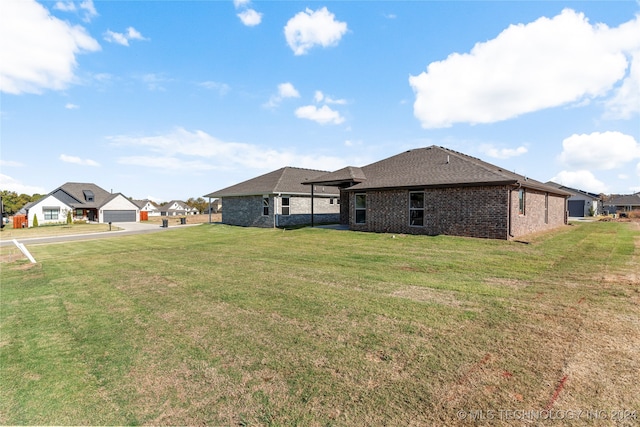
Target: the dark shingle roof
(431, 167)
(574, 191)
(350, 174)
(624, 200)
(75, 194)
(287, 180)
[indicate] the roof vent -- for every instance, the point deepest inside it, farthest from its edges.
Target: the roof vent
(447, 159)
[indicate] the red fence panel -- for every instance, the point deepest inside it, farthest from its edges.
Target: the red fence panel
(20, 221)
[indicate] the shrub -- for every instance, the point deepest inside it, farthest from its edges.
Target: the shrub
(69, 219)
(35, 220)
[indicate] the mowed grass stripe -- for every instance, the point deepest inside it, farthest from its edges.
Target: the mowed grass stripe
(227, 325)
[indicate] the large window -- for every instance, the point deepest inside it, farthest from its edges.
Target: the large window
(416, 209)
(361, 208)
(521, 201)
(265, 205)
(285, 205)
(51, 213)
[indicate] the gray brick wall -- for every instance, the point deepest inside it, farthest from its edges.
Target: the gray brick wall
(463, 211)
(247, 211)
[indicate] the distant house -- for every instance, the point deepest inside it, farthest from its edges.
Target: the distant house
(85, 201)
(215, 206)
(175, 208)
(279, 199)
(622, 203)
(580, 203)
(435, 190)
(148, 206)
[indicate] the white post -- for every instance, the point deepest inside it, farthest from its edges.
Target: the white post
(25, 251)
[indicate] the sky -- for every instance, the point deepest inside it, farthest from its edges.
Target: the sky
(176, 99)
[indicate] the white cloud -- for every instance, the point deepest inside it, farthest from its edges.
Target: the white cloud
(10, 163)
(68, 6)
(222, 88)
(322, 115)
(166, 163)
(511, 74)
(123, 38)
(241, 3)
(155, 81)
(321, 97)
(502, 153)
(625, 101)
(87, 7)
(78, 161)
(38, 50)
(250, 17)
(10, 184)
(70, 106)
(581, 180)
(310, 28)
(599, 151)
(188, 151)
(285, 90)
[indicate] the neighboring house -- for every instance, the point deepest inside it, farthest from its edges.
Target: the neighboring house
(85, 201)
(279, 199)
(622, 203)
(148, 206)
(435, 191)
(215, 206)
(581, 203)
(177, 207)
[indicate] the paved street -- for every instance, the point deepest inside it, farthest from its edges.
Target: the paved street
(128, 228)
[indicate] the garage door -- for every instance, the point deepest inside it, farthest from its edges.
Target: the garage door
(576, 208)
(119, 216)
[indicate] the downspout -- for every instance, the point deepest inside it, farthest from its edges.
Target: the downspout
(209, 210)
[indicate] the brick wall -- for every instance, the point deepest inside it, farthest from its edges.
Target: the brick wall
(463, 211)
(534, 218)
(247, 211)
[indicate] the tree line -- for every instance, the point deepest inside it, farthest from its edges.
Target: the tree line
(12, 202)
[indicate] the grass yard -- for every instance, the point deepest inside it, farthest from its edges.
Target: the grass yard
(223, 325)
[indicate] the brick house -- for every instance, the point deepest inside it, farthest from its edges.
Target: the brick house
(435, 190)
(279, 199)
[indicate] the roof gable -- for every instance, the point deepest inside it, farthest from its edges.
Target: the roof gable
(432, 166)
(439, 167)
(82, 192)
(287, 180)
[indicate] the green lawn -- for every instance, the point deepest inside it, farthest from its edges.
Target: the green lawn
(223, 325)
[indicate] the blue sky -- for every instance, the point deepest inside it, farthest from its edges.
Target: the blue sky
(176, 99)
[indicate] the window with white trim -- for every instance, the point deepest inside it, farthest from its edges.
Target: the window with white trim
(51, 213)
(265, 206)
(286, 205)
(361, 208)
(416, 209)
(521, 201)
